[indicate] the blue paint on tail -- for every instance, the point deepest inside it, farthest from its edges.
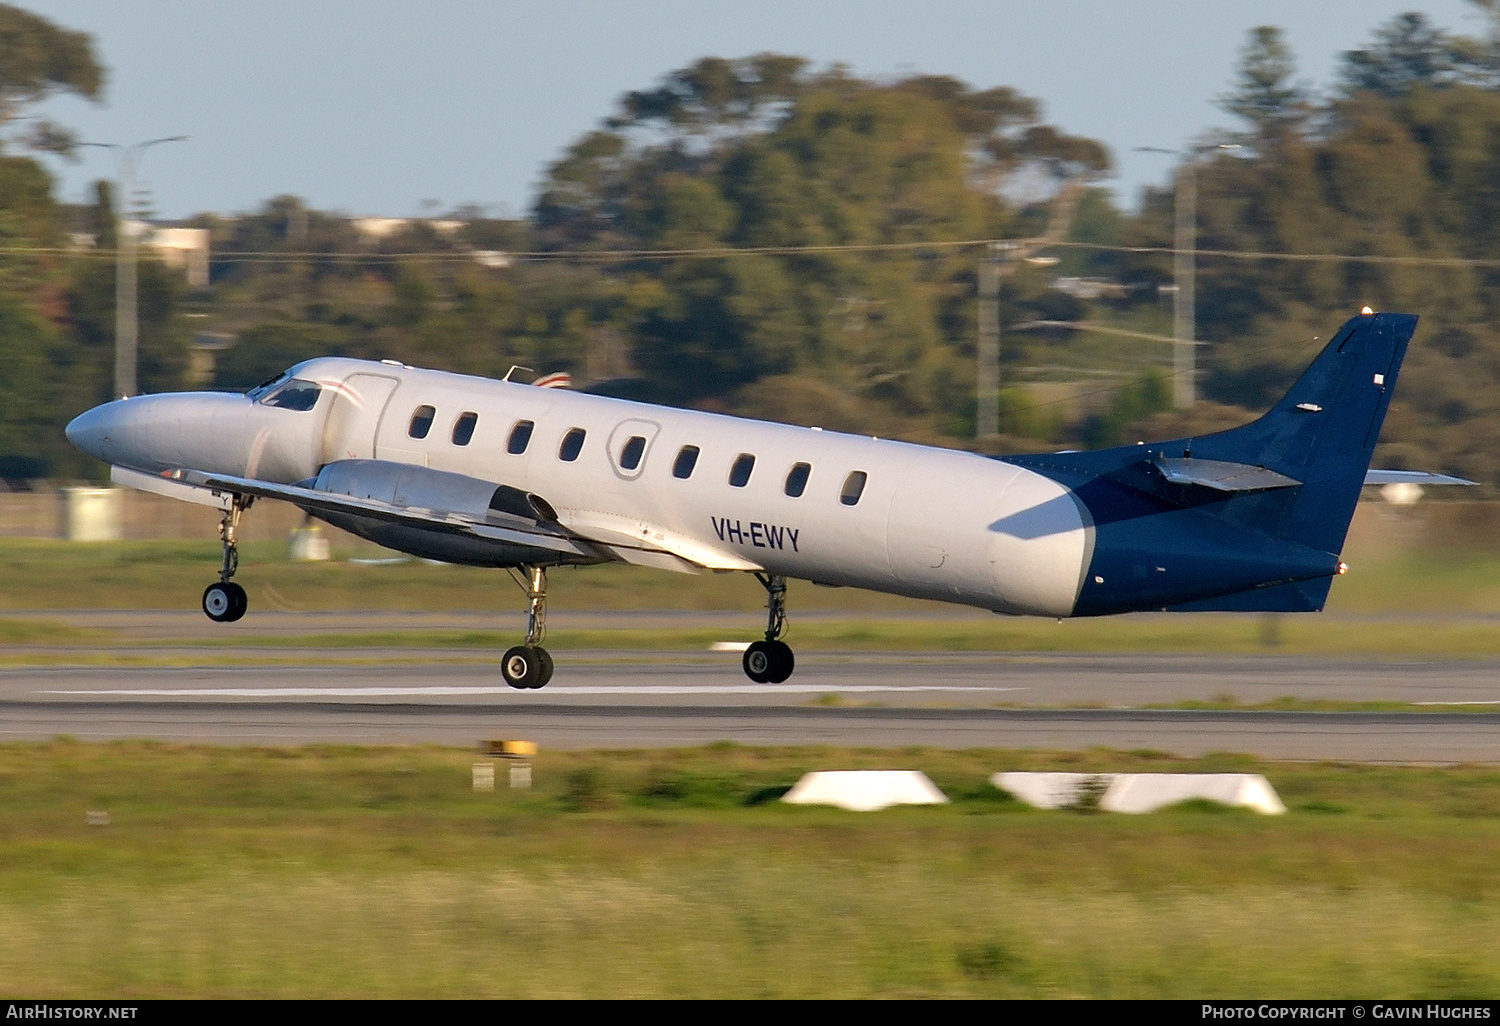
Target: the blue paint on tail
(1165, 544)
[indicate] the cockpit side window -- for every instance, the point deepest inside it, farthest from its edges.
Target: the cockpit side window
(294, 394)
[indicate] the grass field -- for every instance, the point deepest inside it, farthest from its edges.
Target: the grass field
(1449, 578)
(1418, 604)
(349, 872)
(379, 872)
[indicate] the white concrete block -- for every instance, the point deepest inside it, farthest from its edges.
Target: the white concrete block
(1047, 790)
(1142, 792)
(1147, 792)
(865, 790)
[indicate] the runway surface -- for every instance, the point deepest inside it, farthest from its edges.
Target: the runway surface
(633, 700)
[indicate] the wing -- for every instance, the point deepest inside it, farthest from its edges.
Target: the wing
(412, 508)
(503, 528)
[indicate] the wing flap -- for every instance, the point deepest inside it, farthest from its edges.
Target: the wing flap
(626, 534)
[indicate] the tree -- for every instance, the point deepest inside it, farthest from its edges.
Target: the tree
(766, 151)
(39, 60)
(1409, 51)
(1265, 93)
(27, 424)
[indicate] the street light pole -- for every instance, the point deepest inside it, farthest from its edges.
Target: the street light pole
(1000, 260)
(1184, 272)
(1184, 301)
(987, 414)
(125, 264)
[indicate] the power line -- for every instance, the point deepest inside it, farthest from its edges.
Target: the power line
(726, 252)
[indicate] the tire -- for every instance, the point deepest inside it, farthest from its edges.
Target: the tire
(219, 603)
(521, 668)
(241, 602)
(760, 662)
(783, 662)
(544, 667)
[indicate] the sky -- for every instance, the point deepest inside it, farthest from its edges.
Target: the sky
(404, 108)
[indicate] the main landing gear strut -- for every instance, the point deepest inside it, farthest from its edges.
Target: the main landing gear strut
(529, 665)
(226, 601)
(771, 661)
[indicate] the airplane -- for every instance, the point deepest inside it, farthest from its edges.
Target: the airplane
(496, 473)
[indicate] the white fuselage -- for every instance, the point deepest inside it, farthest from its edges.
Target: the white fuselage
(929, 523)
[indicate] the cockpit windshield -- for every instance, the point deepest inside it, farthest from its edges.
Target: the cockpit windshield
(265, 386)
(290, 394)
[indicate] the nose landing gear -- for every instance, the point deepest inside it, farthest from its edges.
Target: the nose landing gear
(771, 661)
(226, 602)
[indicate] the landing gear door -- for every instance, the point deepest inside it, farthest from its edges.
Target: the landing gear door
(355, 417)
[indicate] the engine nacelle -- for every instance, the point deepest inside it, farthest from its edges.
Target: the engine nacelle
(407, 486)
(438, 491)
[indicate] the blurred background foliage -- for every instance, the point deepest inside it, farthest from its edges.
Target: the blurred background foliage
(765, 237)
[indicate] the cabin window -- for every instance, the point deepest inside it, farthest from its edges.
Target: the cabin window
(572, 445)
(295, 394)
(739, 474)
(520, 437)
(796, 479)
(463, 428)
(630, 456)
(854, 486)
(687, 459)
(421, 422)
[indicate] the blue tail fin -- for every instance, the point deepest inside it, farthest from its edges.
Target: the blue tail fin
(1252, 518)
(1323, 431)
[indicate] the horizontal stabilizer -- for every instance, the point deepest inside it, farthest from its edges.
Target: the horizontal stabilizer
(1221, 476)
(1419, 477)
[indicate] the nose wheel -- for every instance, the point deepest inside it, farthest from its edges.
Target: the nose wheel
(226, 602)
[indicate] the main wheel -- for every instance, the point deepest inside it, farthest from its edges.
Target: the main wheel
(225, 602)
(522, 668)
(768, 662)
(544, 667)
(782, 661)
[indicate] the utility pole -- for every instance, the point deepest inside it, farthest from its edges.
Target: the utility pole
(1184, 305)
(125, 264)
(987, 416)
(999, 261)
(1184, 271)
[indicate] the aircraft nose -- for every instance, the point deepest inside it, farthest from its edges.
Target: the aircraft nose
(90, 431)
